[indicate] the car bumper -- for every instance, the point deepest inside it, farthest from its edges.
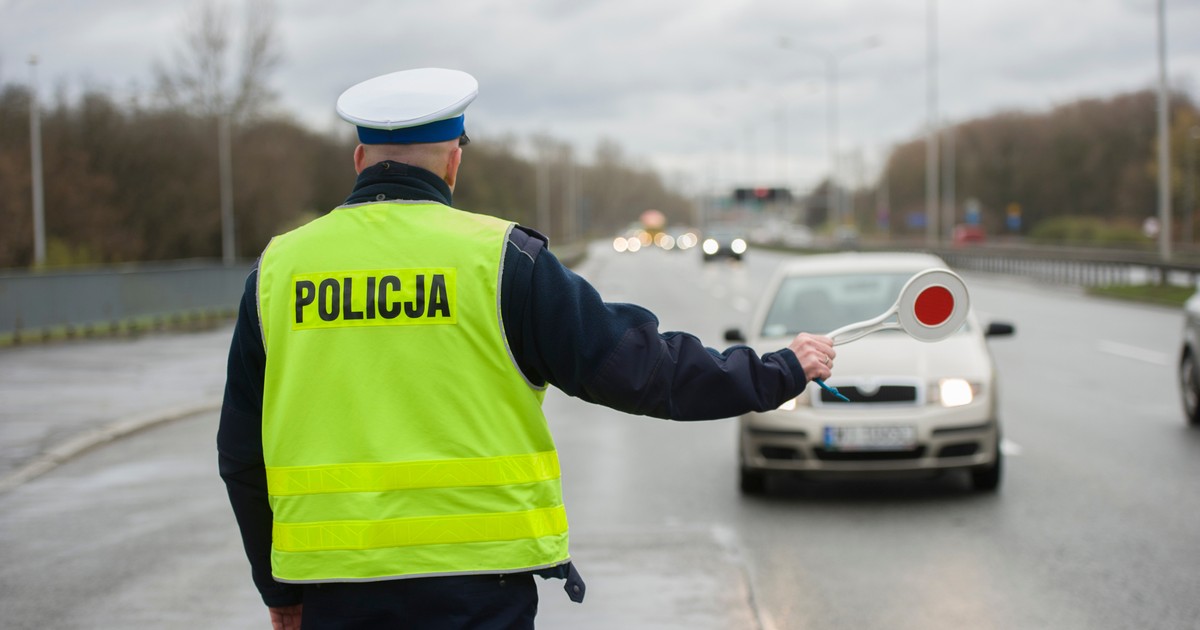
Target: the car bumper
(945, 439)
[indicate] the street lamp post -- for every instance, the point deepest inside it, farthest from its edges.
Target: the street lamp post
(1189, 199)
(831, 128)
(948, 191)
(831, 60)
(931, 137)
(225, 172)
(1164, 141)
(35, 158)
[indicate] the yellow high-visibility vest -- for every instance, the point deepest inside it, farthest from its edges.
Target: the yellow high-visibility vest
(400, 437)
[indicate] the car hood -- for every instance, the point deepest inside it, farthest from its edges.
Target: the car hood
(894, 354)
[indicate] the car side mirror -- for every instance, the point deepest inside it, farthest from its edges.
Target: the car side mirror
(999, 329)
(735, 335)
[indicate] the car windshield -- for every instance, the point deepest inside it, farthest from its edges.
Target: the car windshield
(822, 304)
(724, 232)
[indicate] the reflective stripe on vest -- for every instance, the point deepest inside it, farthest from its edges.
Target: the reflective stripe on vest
(482, 471)
(430, 530)
(399, 436)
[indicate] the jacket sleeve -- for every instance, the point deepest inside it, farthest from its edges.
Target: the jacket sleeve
(240, 449)
(613, 354)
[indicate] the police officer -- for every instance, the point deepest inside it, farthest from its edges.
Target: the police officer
(382, 439)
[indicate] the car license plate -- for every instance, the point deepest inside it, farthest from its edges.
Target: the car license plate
(870, 438)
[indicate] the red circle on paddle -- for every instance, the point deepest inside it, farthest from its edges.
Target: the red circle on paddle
(934, 305)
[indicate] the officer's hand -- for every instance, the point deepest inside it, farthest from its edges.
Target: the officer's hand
(815, 353)
(286, 617)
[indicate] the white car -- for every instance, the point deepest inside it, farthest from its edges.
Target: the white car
(1189, 361)
(914, 406)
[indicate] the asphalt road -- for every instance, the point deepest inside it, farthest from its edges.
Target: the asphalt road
(1095, 526)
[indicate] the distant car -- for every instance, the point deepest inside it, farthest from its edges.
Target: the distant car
(914, 406)
(1189, 361)
(632, 241)
(723, 243)
(967, 234)
(676, 239)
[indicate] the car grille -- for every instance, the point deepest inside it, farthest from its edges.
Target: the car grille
(949, 431)
(780, 452)
(964, 449)
(885, 394)
(865, 456)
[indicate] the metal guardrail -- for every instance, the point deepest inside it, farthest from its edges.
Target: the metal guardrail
(1080, 267)
(1056, 265)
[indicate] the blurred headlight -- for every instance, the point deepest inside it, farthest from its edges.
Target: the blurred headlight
(620, 244)
(738, 246)
(803, 400)
(633, 243)
(665, 241)
(710, 246)
(955, 392)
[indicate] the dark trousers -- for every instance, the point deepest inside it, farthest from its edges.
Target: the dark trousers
(474, 602)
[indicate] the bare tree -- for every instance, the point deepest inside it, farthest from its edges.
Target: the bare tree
(202, 83)
(200, 77)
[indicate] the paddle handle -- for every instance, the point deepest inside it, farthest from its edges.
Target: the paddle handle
(858, 330)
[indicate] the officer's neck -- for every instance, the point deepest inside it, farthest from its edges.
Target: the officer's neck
(398, 181)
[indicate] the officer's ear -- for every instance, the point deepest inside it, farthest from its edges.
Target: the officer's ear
(452, 165)
(360, 158)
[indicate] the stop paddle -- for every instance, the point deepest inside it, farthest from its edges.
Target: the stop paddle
(933, 304)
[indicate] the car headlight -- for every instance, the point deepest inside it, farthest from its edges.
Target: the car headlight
(620, 244)
(738, 246)
(710, 246)
(634, 243)
(791, 404)
(955, 392)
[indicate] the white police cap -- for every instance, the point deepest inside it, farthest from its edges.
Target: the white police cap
(410, 106)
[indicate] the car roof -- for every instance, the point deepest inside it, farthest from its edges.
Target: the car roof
(854, 262)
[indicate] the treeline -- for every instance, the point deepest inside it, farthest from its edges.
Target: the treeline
(1088, 163)
(130, 182)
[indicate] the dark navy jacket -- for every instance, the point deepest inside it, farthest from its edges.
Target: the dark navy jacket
(561, 333)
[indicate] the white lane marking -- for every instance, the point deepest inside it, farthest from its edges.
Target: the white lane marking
(1133, 352)
(1009, 447)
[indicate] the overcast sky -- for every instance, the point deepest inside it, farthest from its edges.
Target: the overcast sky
(705, 90)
